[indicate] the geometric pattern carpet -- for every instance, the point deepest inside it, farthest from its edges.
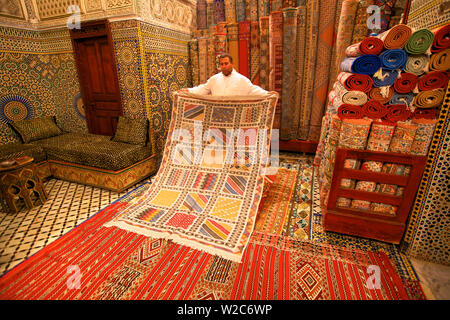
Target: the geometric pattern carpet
(209, 185)
(288, 247)
(94, 262)
(28, 231)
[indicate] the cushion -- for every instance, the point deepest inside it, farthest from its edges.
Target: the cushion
(92, 150)
(36, 128)
(132, 131)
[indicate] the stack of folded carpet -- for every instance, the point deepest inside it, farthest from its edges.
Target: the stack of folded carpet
(386, 98)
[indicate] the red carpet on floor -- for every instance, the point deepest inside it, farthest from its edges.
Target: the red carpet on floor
(95, 262)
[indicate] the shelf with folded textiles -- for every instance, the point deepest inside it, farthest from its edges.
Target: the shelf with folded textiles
(374, 215)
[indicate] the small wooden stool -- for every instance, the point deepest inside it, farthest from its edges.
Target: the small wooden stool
(20, 182)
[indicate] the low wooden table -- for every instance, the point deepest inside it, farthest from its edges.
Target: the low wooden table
(20, 182)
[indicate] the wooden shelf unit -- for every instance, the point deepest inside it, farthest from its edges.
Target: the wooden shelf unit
(366, 223)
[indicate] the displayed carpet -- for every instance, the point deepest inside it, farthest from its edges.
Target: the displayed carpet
(401, 262)
(207, 190)
(312, 27)
(275, 209)
(107, 263)
(233, 43)
(194, 62)
(230, 11)
(201, 14)
(323, 51)
(288, 105)
(244, 48)
(299, 69)
(94, 262)
(264, 52)
(219, 11)
(255, 53)
(318, 39)
(298, 225)
(276, 59)
(203, 59)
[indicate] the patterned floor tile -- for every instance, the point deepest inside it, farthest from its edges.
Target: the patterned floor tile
(28, 231)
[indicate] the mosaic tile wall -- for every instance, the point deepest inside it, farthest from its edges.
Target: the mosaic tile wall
(427, 236)
(152, 63)
(38, 77)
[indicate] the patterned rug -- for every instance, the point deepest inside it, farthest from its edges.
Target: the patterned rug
(286, 210)
(95, 262)
(401, 262)
(209, 185)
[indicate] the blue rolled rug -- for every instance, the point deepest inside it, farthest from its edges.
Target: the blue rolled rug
(402, 98)
(394, 59)
(387, 79)
(365, 64)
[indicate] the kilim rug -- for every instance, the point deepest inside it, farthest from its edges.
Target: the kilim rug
(402, 265)
(210, 182)
(93, 262)
(286, 210)
(96, 262)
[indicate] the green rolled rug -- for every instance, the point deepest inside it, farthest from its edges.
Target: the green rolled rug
(419, 42)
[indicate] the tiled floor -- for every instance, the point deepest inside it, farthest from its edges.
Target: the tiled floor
(69, 204)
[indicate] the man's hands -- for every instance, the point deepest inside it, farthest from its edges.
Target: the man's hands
(184, 90)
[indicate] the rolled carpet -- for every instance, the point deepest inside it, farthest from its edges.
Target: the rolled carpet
(394, 59)
(397, 112)
(374, 109)
(402, 98)
(419, 42)
(431, 113)
(417, 64)
(378, 94)
(433, 80)
(396, 37)
(349, 111)
(441, 39)
(355, 81)
(405, 83)
(366, 64)
(429, 99)
(351, 97)
(440, 61)
(370, 45)
(384, 78)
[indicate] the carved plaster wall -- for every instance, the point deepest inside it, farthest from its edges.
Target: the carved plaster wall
(49, 14)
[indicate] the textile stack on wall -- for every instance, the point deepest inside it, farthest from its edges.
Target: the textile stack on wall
(386, 98)
(277, 45)
(252, 32)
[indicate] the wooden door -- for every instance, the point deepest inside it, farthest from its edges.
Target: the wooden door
(97, 74)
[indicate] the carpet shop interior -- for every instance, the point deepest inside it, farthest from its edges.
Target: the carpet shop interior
(102, 199)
